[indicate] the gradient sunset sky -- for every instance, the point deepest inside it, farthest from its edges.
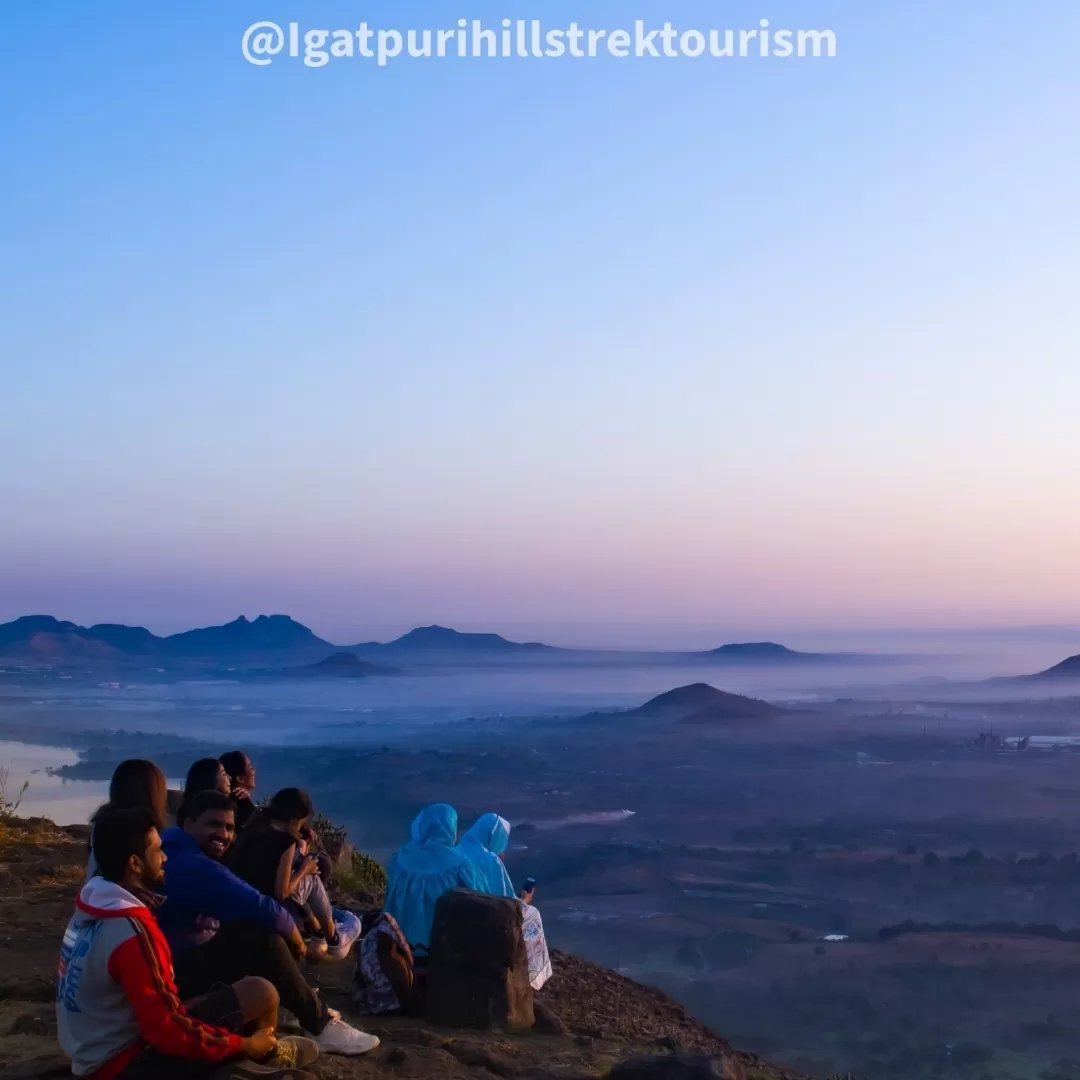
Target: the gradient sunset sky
(509, 344)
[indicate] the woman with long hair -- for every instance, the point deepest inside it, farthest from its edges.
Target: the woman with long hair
(241, 774)
(206, 774)
(135, 784)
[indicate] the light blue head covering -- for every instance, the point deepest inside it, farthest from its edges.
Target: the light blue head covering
(425, 868)
(483, 844)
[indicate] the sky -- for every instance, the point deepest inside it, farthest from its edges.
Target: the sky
(767, 345)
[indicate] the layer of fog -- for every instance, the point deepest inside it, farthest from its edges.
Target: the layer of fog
(260, 710)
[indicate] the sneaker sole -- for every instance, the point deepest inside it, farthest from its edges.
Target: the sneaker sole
(352, 1053)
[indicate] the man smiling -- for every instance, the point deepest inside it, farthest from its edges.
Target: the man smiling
(220, 928)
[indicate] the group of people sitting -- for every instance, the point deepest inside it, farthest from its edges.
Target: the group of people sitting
(196, 913)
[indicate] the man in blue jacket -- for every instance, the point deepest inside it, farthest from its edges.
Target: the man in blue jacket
(220, 929)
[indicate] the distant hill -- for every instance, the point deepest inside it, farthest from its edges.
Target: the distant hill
(764, 652)
(270, 641)
(1067, 669)
(130, 639)
(700, 703)
(60, 649)
(266, 634)
(442, 639)
(42, 639)
(274, 639)
(341, 665)
(24, 628)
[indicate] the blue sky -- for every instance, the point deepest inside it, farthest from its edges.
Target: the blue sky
(761, 344)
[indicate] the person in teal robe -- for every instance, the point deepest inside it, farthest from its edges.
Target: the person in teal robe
(428, 866)
(483, 844)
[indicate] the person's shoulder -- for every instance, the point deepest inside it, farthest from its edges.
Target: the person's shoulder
(467, 863)
(284, 840)
(112, 933)
(262, 838)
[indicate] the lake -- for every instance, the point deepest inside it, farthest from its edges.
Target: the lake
(67, 802)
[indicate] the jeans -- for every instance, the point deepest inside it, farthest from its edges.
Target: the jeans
(240, 949)
(312, 893)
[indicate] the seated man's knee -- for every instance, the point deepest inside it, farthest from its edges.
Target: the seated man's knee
(257, 996)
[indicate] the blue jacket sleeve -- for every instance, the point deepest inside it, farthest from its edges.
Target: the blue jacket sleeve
(214, 890)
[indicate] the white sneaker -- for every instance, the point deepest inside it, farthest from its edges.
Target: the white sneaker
(341, 1038)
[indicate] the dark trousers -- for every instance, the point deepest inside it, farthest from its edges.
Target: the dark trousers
(240, 949)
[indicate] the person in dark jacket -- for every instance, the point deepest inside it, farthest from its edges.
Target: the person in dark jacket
(220, 928)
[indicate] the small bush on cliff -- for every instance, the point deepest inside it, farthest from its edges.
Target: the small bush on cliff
(364, 874)
(332, 836)
(9, 804)
(361, 873)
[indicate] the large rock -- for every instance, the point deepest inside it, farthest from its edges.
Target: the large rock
(478, 974)
(679, 1067)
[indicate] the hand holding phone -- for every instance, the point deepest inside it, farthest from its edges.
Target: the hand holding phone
(528, 887)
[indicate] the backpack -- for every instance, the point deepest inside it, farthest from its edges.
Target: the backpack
(385, 977)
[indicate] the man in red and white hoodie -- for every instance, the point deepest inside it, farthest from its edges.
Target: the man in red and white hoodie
(117, 1008)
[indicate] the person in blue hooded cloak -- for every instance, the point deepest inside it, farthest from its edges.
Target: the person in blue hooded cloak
(428, 866)
(484, 845)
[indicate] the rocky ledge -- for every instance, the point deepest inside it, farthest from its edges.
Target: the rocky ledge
(591, 1022)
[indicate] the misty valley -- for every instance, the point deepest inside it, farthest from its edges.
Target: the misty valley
(845, 877)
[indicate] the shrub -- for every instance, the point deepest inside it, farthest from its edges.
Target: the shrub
(364, 874)
(333, 836)
(9, 804)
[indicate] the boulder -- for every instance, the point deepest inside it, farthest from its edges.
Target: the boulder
(679, 1067)
(478, 974)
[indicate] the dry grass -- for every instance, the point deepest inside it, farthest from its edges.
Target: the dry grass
(9, 803)
(15, 830)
